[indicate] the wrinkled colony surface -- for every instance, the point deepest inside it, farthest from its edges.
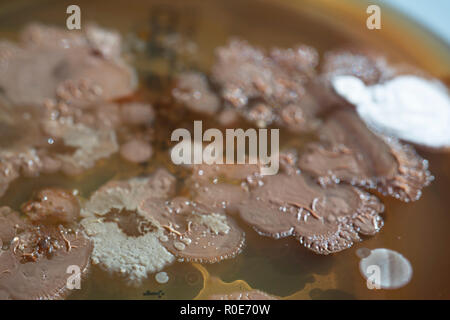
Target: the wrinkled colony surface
(85, 133)
(35, 260)
(138, 227)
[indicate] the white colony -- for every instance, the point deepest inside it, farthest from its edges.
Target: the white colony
(386, 268)
(162, 277)
(407, 107)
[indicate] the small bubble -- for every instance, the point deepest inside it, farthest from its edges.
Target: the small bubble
(179, 246)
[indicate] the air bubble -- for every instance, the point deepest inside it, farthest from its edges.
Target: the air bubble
(179, 246)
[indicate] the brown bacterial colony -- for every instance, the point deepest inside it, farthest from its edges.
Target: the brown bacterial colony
(85, 140)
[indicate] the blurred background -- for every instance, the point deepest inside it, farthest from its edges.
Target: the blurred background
(432, 14)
